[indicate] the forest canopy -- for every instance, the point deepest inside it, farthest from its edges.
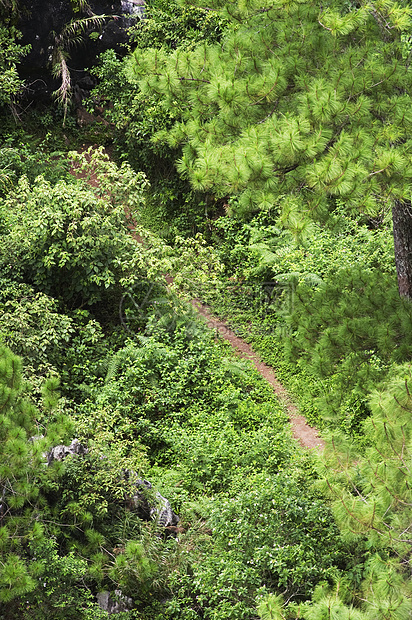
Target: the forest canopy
(298, 107)
(250, 159)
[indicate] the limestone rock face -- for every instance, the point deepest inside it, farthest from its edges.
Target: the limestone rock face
(148, 505)
(41, 20)
(154, 507)
(114, 604)
(59, 453)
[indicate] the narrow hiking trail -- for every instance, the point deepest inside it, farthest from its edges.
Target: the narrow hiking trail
(306, 435)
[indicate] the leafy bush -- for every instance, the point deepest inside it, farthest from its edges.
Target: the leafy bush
(61, 593)
(290, 539)
(212, 451)
(161, 380)
(172, 207)
(67, 242)
(170, 25)
(267, 535)
(10, 53)
(93, 494)
(32, 326)
(24, 154)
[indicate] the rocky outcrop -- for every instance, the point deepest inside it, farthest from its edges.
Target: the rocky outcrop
(152, 505)
(59, 453)
(114, 603)
(148, 503)
(40, 21)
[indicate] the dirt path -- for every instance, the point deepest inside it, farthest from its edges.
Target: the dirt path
(307, 436)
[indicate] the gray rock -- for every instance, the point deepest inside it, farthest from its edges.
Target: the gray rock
(38, 20)
(114, 603)
(59, 453)
(133, 7)
(163, 512)
(152, 505)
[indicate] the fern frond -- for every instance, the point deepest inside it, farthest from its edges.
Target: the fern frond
(70, 36)
(130, 352)
(77, 27)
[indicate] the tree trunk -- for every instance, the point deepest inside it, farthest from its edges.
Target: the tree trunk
(402, 236)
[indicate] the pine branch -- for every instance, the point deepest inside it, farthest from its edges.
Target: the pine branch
(186, 79)
(346, 473)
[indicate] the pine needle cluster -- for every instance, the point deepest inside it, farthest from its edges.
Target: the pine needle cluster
(297, 100)
(351, 328)
(372, 499)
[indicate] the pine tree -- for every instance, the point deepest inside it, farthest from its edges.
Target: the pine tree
(22, 467)
(378, 497)
(271, 608)
(299, 105)
(349, 330)
(372, 497)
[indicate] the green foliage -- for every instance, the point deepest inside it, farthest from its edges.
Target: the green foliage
(266, 535)
(68, 242)
(286, 298)
(286, 110)
(325, 251)
(94, 492)
(271, 608)
(121, 185)
(283, 121)
(10, 53)
(133, 569)
(371, 497)
(378, 502)
(259, 250)
(130, 115)
(22, 444)
(328, 604)
(157, 382)
(14, 579)
(61, 594)
(350, 328)
(26, 155)
(170, 25)
(32, 326)
(50, 514)
(80, 363)
(137, 117)
(10, 160)
(290, 539)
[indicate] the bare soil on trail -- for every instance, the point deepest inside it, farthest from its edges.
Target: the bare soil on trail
(307, 436)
